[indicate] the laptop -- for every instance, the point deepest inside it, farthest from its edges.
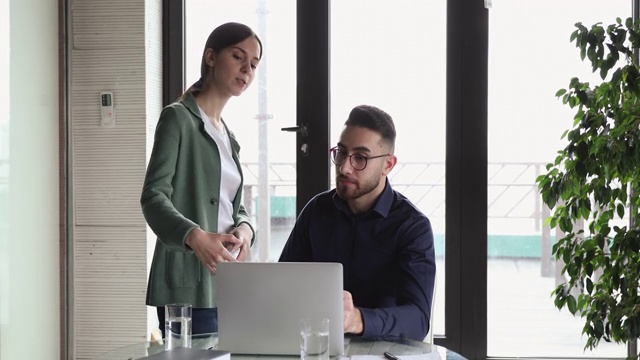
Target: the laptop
(189, 354)
(260, 305)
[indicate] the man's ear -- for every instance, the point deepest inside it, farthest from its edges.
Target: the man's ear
(389, 162)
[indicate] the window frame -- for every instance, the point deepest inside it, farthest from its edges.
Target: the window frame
(466, 166)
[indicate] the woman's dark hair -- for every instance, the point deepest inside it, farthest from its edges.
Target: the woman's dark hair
(220, 38)
(375, 119)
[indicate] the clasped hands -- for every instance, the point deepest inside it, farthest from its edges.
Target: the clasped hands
(214, 248)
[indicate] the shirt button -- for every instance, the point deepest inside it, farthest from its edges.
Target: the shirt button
(214, 201)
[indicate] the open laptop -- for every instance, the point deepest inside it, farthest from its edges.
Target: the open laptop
(260, 305)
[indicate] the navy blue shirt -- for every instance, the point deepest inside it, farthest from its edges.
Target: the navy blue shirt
(387, 256)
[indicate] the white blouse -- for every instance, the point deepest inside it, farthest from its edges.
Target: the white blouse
(230, 175)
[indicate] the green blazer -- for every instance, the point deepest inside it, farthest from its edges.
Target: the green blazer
(181, 191)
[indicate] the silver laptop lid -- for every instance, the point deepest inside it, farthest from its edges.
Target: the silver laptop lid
(260, 305)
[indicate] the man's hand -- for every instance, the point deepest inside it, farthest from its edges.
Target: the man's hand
(352, 316)
(211, 248)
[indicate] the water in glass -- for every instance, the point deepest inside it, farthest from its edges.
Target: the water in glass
(177, 332)
(314, 345)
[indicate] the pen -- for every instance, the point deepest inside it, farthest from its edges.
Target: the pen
(390, 356)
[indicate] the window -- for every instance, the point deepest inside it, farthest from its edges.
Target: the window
(256, 117)
(530, 58)
(388, 67)
(426, 64)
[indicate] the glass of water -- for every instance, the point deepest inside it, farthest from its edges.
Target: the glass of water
(177, 326)
(314, 339)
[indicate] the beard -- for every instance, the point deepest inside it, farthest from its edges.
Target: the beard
(355, 189)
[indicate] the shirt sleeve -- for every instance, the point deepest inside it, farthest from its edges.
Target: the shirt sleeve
(243, 218)
(410, 318)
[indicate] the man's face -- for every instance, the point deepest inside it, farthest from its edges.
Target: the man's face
(353, 184)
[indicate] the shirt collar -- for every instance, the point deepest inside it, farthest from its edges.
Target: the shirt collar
(190, 103)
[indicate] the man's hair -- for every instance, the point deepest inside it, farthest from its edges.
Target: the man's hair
(373, 118)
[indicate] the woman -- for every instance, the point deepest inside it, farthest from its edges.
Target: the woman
(193, 186)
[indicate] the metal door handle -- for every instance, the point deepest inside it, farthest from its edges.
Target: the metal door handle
(302, 129)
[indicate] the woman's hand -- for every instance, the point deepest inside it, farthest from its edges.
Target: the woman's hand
(243, 233)
(211, 248)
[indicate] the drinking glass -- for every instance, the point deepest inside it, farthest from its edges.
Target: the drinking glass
(314, 339)
(177, 326)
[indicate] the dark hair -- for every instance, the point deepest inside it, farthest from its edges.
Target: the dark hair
(220, 38)
(373, 118)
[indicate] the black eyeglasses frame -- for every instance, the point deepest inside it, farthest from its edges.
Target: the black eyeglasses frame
(334, 151)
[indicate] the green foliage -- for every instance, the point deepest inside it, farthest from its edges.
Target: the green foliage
(594, 178)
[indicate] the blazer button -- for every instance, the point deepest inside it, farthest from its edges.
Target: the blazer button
(214, 201)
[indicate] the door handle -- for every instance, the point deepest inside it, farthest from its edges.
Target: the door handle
(302, 129)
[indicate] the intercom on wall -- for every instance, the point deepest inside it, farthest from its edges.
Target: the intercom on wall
(108, 113)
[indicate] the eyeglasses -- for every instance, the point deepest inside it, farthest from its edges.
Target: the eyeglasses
(358, 161)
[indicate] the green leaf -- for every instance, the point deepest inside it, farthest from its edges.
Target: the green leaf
(581, 170)
(566, 257)
(582, 151)
(615, 78)
(582, 301)
(620, 210)
(574, 35)
(599, 328)
(571, 304)
(559, 300)
(604, 71)
(598, 31)
(561, 92)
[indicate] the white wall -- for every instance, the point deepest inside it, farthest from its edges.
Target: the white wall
(125, 60)
(30, 322)
(4, 166)
(114, 46)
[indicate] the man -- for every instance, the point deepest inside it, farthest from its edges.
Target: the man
(383, 241)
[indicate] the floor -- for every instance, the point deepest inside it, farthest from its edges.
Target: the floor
(523, 321)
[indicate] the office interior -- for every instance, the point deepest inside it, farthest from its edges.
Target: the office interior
(74, 247)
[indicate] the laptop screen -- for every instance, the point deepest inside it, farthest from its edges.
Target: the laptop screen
(260, 305)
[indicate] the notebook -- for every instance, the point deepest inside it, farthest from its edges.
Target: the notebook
(260, 305)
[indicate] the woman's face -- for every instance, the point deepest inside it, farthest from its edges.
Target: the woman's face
(234, 66)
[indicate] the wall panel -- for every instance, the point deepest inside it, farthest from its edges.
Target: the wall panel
(114, 46)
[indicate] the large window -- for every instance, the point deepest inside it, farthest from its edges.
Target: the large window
(256, 117)
(470, 85)
(386, 67)
(530, 58)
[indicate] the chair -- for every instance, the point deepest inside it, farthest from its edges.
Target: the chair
(429, 338)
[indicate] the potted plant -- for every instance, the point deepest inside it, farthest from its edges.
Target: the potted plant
(594, 180)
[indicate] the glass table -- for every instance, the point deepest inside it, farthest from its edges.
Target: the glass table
(354, 348)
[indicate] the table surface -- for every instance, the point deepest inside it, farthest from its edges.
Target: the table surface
(365, 349)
